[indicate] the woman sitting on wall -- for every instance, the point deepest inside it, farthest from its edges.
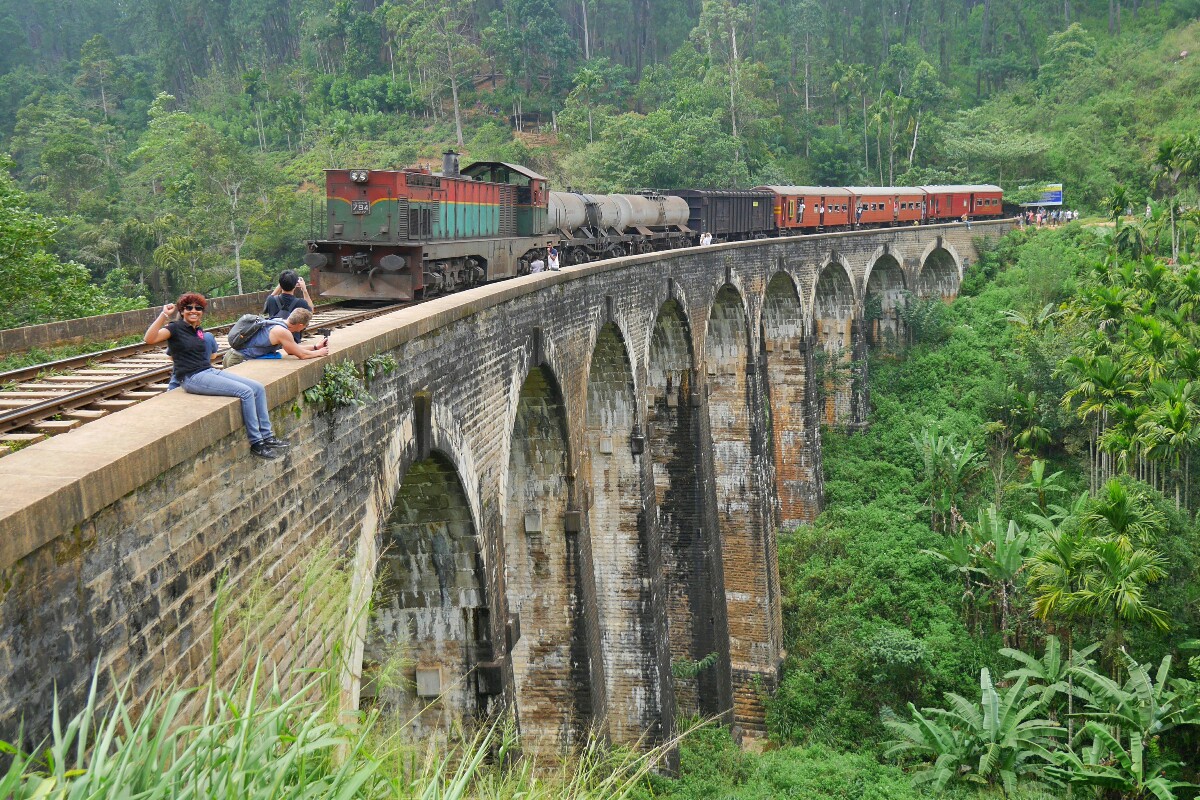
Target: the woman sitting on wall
(193, 367)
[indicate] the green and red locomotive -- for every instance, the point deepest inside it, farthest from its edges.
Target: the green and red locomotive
(407, 234)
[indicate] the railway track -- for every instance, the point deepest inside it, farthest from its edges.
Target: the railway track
(48, 399)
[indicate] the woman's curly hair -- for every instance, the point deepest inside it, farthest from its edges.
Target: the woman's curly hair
(190, 298)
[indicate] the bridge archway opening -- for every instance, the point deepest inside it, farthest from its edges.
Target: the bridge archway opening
(618, 543)
(431, 609)
(883, 302)
(790, 402)
(692, 623)
(939, 276)
(833, 315)
(542, 575)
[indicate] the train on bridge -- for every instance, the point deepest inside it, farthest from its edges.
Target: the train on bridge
(409, 234)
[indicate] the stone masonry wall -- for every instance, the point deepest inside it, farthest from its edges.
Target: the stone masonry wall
(117, 539)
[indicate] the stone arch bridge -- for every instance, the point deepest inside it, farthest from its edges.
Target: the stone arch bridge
(563, 503)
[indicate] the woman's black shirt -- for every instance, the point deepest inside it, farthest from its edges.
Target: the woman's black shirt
(187, 349)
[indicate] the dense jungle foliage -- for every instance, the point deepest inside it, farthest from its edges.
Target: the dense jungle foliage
(179, 145)
(1002, 597)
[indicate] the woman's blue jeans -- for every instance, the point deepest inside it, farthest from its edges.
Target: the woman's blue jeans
(255, 413)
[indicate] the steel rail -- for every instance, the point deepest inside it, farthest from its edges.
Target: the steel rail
(15, 419)
(113, 353)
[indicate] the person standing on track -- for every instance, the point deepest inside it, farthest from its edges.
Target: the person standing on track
(284, 300)
(188, 350)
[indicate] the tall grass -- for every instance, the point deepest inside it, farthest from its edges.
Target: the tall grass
(249, 732)
(252, 742)
(256, 742)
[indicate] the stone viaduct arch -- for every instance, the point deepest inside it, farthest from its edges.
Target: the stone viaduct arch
(572, 484)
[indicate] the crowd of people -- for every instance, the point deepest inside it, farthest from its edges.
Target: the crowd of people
(191, 349)
(1051, 217)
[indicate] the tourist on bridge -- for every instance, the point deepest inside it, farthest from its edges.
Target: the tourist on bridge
(276, 335)
(284, 300)
(188, 349)
(210, 344)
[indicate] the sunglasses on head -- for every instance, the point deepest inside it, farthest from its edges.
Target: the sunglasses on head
(193, 308)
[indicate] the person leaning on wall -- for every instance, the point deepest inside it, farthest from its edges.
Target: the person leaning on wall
(279, 335)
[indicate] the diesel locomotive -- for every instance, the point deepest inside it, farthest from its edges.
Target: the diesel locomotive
(408, 234)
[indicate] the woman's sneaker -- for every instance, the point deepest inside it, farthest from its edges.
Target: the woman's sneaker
(264, 450)
(276, 443)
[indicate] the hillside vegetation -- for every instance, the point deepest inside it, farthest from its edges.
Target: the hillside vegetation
(175, 145)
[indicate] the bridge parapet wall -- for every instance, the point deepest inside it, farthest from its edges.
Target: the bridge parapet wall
(115, 538)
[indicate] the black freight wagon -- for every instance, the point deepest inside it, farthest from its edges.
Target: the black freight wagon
(729, 215)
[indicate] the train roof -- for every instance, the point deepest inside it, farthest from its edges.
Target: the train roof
(827, 191)
(981, 187)
(517, 168)
(884, 191)
(715, 192)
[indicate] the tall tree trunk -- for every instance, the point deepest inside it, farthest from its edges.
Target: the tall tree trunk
(866, 148)
(237, 256)
(807, 105)
(587, 43)
(454, 92)
(916, 130)
(733, 79)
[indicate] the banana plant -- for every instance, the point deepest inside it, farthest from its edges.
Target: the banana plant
(1132, 767)
(996, 740)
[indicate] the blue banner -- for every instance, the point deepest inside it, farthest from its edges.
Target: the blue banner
(1052, 195)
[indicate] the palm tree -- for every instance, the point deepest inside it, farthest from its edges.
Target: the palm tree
(1042, 485)
(1003, 551)
(1170, 430)
(1100, 382)
(1125, 517)
(1177, 159)
(1113, 588)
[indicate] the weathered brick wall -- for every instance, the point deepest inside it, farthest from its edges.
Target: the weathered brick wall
(694, 628)
(114, 538)
(549, 662)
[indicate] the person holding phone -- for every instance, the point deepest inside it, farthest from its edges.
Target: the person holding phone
(188, 349)
(289, 295)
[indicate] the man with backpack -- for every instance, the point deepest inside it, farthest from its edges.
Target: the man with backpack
(260, 337)
(281, 302)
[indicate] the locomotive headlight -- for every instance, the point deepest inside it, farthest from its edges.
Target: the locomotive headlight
(358, 175)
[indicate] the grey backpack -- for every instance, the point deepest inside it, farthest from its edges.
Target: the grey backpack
(245, 329)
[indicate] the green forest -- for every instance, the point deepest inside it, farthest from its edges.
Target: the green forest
(1001, 598)
(161, 146)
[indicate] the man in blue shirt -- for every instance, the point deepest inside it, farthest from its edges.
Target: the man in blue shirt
(278, 335)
